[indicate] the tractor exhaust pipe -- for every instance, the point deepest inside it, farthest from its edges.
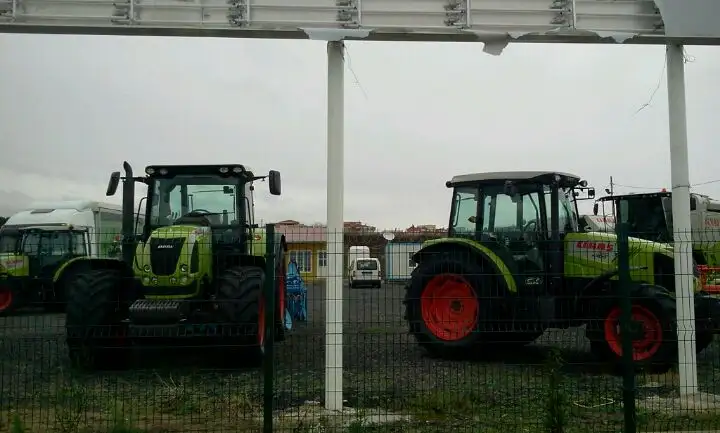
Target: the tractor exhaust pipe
(128, 215)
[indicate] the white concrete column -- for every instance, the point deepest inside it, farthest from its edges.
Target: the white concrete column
(335, 223)
(680, 178)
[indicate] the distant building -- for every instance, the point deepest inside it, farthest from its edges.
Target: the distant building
(358, 226)
(307, 246)
(425, 228)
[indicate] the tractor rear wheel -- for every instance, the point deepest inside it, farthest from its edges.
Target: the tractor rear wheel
(446, 301)
(8, 298)
(654, 338)
(94, 334)
(242, 305)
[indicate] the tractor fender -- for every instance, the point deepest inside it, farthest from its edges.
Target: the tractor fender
(257, 258)
(597, 287)
(87, 263)
(597, 284)
(472, 248)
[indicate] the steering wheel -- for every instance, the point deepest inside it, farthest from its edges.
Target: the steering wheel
(195, 215)
(200, 212)
(530, 230)
(526, 227)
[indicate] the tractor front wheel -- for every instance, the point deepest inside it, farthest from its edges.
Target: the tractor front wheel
(94, 333)
(653, 330)
(8, 299)
(241, 303)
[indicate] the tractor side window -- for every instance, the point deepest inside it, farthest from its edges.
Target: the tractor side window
(568, 219)
(500, 213)
(31, 244)
(465, 203)
(8, 243)
(78, 246)
(56, 244)
(531, 210)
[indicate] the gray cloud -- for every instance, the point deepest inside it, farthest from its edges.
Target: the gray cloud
(75, 107)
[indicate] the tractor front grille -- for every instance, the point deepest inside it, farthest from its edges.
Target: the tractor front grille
(164, 255)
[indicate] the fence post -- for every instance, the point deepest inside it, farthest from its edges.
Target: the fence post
(269, 353)
(626, 319)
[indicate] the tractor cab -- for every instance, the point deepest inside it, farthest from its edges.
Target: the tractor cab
(47, 247)
(199, 221)
(515, 264)
(649, 215)
(520, 216)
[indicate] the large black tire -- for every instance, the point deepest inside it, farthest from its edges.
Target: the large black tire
(661, 303)
(94, 333)
(652, 301)
(241, 304)
(8, 297)
(487, 296)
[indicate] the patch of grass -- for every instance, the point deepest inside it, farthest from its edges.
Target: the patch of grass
(16, 424)
(73, 401)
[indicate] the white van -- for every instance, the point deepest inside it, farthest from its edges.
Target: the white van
(365, 272)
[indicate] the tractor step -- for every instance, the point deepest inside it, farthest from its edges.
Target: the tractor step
(185, 330)
(151, 311)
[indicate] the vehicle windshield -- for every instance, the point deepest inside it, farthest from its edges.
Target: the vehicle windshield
(215, 196)
(649, 217)
(53, 243)
(9, 241)
(367, 265)
(518, 212)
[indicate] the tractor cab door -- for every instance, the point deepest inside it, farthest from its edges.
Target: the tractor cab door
(514, 225)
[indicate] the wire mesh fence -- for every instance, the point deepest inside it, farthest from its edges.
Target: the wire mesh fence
(510, 332)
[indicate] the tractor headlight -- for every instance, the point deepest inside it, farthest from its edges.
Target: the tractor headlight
(149, 170)
(183, 268)
(224, 170)
(146, 268)
(237, 170)
(163, 171)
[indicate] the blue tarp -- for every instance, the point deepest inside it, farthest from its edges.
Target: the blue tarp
(296, 293)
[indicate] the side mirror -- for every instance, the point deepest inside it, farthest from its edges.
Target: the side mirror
(275, 183)
(591, 192)
(595, 209)
(113, 183)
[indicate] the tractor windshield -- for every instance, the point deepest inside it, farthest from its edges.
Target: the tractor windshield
(53, 243)
(650, 217)
(218, 198)
(9, 241)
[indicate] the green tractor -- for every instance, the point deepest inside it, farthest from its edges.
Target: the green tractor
(192, 274)
(515, 263)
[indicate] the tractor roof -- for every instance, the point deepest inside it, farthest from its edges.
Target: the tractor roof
(566, 179)
(197, 170)
(639, 195)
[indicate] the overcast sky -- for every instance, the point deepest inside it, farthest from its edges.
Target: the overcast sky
(73, 108)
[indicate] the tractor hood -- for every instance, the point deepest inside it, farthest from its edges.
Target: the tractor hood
(172, 251)
(608, 241)
(14, 264)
